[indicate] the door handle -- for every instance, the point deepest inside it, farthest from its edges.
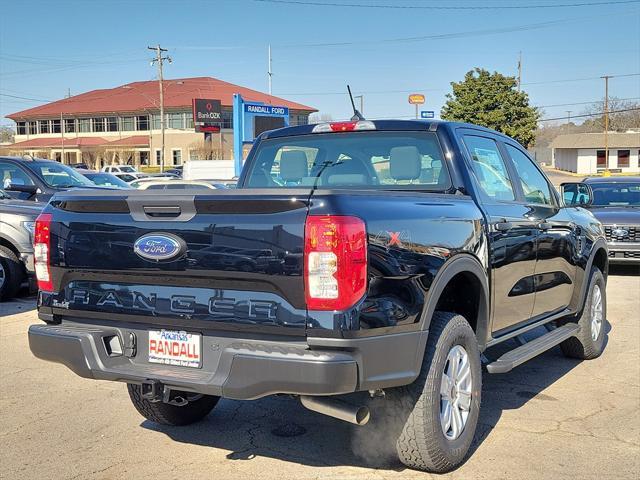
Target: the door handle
(544, 225)
(503, 226)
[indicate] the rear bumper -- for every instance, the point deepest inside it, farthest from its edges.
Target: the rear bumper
(239, 368)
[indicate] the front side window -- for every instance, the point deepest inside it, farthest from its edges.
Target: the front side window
(489, 167)
(60, 176)
(535, 187)
(11, 174)
(353, 160)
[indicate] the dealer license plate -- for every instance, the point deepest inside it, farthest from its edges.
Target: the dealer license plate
(173, 347)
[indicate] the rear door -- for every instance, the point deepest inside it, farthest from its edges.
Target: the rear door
(512, 234)
(555, 266)
(228, 271)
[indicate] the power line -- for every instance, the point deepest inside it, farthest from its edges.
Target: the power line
(448, 7)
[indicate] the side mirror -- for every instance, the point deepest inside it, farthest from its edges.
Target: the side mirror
(576, 194)
(13, 187)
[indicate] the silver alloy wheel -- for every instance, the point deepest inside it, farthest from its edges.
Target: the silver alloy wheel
(596, 313)
(2, 275)
(455, 392)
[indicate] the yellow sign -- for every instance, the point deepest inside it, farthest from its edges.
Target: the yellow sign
(416, 99)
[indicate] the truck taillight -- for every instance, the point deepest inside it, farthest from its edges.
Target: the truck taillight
(41, 249)
(335, 261)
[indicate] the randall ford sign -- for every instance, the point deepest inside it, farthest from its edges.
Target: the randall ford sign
(206, 111)
(271, 110)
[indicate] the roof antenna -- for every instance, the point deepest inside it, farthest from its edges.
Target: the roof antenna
(356, 114)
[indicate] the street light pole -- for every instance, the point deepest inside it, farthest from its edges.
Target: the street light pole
(159, 60)
(606, 120)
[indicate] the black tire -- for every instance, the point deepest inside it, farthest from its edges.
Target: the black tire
(422, 444)
(11, 274)
(165, 414)
(583, 346)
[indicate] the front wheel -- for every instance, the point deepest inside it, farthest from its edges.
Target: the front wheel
(444, 401)
(589, 341)
(198, 407)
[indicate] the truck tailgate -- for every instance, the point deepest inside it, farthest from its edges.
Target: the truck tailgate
(237, 263)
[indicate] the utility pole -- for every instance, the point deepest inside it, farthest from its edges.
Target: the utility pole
(569, 116)
(606, 120)
(520, 71)
(62, 135)
(159, 60)
(269, 72)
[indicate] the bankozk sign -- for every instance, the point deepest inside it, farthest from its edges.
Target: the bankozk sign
(206, 111)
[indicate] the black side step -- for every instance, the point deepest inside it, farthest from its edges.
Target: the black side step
(525, 352)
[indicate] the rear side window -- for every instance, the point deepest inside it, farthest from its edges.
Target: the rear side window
(489, 167)
(353, 160)
(11, 174)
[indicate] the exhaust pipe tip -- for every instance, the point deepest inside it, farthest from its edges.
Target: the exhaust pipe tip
(358, 415)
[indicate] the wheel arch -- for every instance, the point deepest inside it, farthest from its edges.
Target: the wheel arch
(471, 302)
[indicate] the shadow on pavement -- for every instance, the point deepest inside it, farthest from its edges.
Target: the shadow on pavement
(24, 302)
(251, 428)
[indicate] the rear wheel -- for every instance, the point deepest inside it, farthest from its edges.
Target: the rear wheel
(11, 273)
(198, 407)
(589, 341)
(444, 402)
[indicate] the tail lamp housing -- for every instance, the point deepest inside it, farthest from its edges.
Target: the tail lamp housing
(42, 251)
(335, 261)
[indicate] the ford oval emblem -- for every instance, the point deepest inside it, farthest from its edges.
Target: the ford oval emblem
(158, 246)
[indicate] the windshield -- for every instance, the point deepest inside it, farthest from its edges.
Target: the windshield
(126, 169)
(106, 180)
(59, 176)
(361, 160)
(616, 194)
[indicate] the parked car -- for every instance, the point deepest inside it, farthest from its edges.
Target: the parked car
(104, 179)
(616, 203)
(157, 178)
(389, 257)
(26, 178)
(80, 166)
(17, 221)
(174, 185)
(177, 170)
(123, 169)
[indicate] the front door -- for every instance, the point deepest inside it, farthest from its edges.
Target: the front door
(555, 266)
(512, 234)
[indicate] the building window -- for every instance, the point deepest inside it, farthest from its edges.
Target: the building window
(174, 120)
(158, 157)
(601, 161)
(142, 122)
(85, 125)
(193, 155)
(98, 124)
(33, 128)
(21, 128)
(176, 156)
(144, 158)
(55, 126)
(128, 124)
(69, 125)
(623, 158)
(112, 124)
(44, 126)
(188, 120)
(227, 119)
(155, 118)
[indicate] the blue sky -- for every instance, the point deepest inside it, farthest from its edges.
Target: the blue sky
(48, 47)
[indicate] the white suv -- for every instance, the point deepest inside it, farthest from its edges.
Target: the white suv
(124, 172)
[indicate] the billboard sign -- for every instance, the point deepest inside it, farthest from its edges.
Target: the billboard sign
(416, 99)
(206, 111)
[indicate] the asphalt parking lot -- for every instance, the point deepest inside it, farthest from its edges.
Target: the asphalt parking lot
(550, 418)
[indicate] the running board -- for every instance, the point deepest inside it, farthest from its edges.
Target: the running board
(517, 356)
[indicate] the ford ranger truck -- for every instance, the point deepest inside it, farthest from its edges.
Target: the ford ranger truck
(385, 257)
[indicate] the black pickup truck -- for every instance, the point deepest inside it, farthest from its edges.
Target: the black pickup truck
(385, 257)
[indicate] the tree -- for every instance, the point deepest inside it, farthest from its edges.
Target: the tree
(6, 135)
(493, 101)
(206, 150)
(618, 122)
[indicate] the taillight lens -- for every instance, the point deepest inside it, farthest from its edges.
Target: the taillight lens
(42, 253)
(335, 261)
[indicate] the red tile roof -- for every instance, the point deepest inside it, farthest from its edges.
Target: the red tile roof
(141, 96)
(134, 141)
(57, 142)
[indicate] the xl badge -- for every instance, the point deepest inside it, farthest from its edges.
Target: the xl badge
(158, 246)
